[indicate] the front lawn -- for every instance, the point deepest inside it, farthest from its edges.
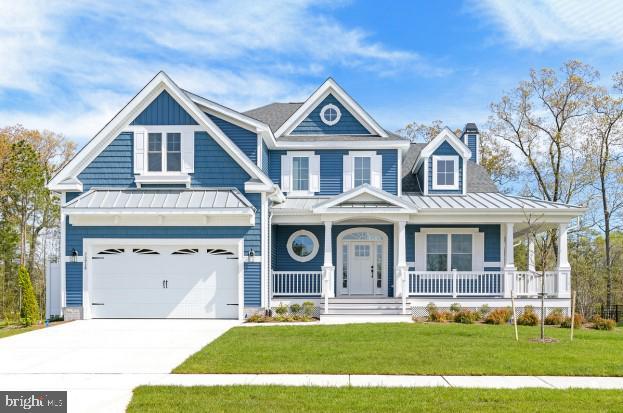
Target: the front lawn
(13, 330)
(356, 399)
(426, 349)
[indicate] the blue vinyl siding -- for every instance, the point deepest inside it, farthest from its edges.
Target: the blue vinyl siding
(313, 125)
(445, 149)
(265, 158)
(243, 138)
(471, 144)
(331, 170)
(164, 110)
(73, 281)
(113, 166)
(283, 262)
(252, 284)
(492, 239)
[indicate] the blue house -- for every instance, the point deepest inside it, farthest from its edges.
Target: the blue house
(183, 208)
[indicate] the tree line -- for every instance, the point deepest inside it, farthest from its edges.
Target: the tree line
(558, 136)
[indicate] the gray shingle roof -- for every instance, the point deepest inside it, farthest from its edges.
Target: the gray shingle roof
(274, 114)
(478, 180)
(152, 199)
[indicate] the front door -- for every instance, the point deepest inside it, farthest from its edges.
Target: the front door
(361, 267)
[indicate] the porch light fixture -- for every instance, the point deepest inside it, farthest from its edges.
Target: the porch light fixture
(74, 255)
(251, 254)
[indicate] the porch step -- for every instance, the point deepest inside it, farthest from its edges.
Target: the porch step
(364, 299)
(364, 318)
(363, 306)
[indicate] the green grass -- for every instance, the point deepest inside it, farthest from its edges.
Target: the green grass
(251, 399)
(427, 349)
(13, 330)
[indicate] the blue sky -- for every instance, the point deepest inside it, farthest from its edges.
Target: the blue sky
(69, 67)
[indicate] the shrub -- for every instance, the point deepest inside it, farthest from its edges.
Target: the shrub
(528, 317)
(282, 309)
(455, 307)
(555, 318)
(499, 316)
(258, 318)
(603, 324)
(484, 310)
(308, 308)
(30, 309)
(466, 316)
(295, 308)
(577, 323)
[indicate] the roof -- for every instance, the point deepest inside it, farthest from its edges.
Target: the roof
(486, 201)
(154, 199)
(470, 128)
(274, 114)
(478, 179)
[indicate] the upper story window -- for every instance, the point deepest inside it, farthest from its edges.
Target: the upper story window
(445, 172)
(330, 114)
(164, 156)
(363, 170)
(300, 173)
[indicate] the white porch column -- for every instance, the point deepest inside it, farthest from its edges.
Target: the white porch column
(400, 282)
(328, 270)
(509, 261)
(563, 282)
(531, 260)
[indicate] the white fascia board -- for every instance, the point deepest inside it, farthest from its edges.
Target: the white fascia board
(255, 187)
(158, 211)
(331, 86)
(363, 189)
(121, 121)
(449, 136)
(303, 145)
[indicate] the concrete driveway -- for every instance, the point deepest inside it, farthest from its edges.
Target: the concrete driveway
(100, 361)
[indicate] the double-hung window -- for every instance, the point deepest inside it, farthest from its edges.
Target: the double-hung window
(445, 172)
(300, 173)
(362, 170)
(446, 252)
(164, 156)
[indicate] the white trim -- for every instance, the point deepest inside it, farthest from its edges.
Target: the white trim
(361, 154)
(89, 244)
(63, 251)
(367, 144)
(314, 240)
(330, 86)
(264, 246)
(121, 121)
(337, 117)
(477, 246)
(162, 178)
(443, 136)
(287, 172)
(399, 172)
(339, 260)
(323, 207)
(455, 160)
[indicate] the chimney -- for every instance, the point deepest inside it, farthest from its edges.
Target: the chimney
(471, 138)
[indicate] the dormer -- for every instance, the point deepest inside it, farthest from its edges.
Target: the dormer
(441, 165)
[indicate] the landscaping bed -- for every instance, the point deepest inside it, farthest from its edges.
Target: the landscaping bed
(147, 399)
(410, 348)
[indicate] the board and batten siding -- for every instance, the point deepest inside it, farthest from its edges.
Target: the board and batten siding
(445, 149)
(313, 125)
(283, 262)
(164, 110)
(492, 240)
(332, 172)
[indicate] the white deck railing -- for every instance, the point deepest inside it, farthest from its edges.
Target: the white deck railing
(297, 283)
(456, 283)
(528, 283)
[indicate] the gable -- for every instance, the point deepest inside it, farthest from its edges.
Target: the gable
(313, 124)
(164, 110)
(243, 138)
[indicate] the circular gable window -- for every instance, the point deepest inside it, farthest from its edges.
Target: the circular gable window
(302, 246)
(330, 114)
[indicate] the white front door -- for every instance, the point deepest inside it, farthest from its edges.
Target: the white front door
(361, 267)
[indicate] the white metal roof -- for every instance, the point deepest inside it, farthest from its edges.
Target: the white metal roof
(154, 199)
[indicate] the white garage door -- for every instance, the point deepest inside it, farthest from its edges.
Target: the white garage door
(182, 281)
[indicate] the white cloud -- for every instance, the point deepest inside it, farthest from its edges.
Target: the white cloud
(75, 64)
(539, 24)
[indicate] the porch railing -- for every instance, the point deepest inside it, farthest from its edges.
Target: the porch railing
(528, 283)
(456, 283)
(297, 283)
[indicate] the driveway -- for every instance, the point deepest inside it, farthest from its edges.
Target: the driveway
(100, 361)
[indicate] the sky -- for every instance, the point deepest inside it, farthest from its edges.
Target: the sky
(70, 66)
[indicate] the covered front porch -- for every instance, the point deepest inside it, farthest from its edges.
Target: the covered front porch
(387, 254)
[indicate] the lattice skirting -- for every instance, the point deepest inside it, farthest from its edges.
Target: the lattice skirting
(419, 311)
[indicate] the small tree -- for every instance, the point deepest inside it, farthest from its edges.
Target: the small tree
(29, 307)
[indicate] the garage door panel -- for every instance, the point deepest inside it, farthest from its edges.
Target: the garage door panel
(200, 283)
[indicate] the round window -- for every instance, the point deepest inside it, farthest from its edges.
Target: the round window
(302, 246)
(330, 114)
